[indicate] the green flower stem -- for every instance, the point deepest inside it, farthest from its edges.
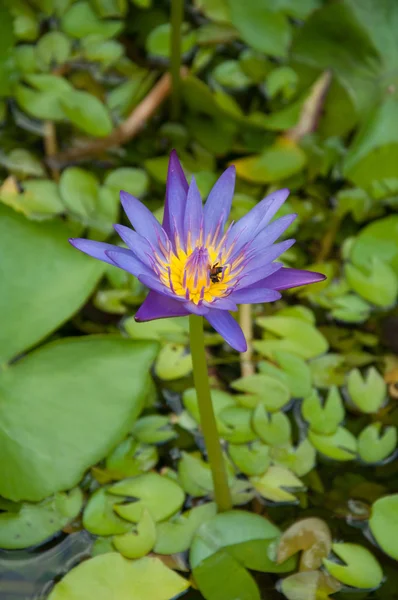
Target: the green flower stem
(207, 419)
(177, 11)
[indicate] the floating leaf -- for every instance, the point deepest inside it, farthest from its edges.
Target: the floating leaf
(294, 370)
(61, 281)
(323, 418)
(311, 536)
(273, 394)
(361, 569)
(54, 384)
(341, 445)
(81, 21)
(378, 239)
(35, 523)
(140, 541)
(309, 585)
(174, 361)
(261, 26)
(276, 483)
(252, 459)
(133, 181)
(130, 458)
(176, 535)
(375, 445)
(154, 429)
(298, 337)
(378, 285)
(234, 424)
(99, 517)
(383, 524)
(160, 495)
(274, 428)
(367, 393)
(278, 162)
(53, 48)
(122, 578)
(220, 401)
(86, 112)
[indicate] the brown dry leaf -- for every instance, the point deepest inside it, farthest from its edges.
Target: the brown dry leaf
(312, 536)
(311, 585)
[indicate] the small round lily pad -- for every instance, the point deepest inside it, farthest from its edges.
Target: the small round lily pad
(359, 567)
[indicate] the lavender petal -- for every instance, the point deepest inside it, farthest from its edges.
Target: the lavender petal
(98, 249)
(157, 306)
(228, 328)
(289, 278)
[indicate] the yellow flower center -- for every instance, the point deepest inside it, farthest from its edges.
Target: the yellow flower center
(196, 274)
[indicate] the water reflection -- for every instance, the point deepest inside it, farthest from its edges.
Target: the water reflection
(30, 575)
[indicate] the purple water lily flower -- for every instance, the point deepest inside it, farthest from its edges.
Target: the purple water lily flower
(191, 264)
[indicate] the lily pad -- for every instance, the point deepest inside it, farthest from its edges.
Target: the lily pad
(60, 281)
(119, 577)
(323, 418)
(340, 445)
(251, 459)
(298, 337)
(312, 537)
(378, 239)
(130, 458)
(272, 393)
(160, 495)
(140, 541)
(174, 361)
(360, 568)
(293, 371)
(309, 585)
(154, 429)
(273, 429)
(383, 523)
(176, 535)
(35, 523)
(278, 485)
(367, 393)
(99, 517)
(375, 445)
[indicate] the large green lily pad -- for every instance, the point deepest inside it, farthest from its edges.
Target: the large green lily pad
(46, 280)
(64, 407)
(112, 576)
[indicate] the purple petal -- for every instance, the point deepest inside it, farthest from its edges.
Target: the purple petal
(153, 283)
(270, 234)
(218, 204)
(193, 219)
(142, 219)
(255, 295)
(255, 220)
(157, 306)
(128, 262)
(176, 196)
(290, 278)
(226, 326)
(98, 249)
(195, 309)
(137, 244)
(223, 303)
(256, 267)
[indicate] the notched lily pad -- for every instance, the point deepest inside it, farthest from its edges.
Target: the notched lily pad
(32, 524)
(278, 484)
(340, 445)
(160, 495)
(140, 541)
(374, 444)
(360, 569)
(309, 585)
(271, 392)
(273, 429)
(323, 418)
(312, 536)
(367, 393)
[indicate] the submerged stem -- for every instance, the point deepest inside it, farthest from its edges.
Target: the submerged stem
(207, 419)
(177, 11)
